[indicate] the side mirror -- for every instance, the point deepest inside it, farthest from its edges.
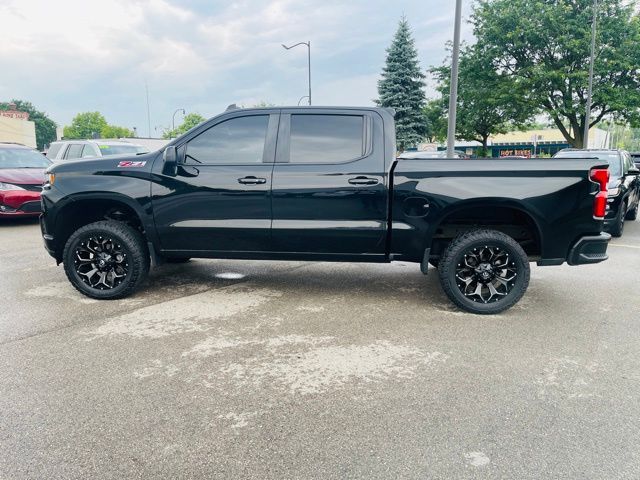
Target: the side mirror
(170, 155)
(634, 171)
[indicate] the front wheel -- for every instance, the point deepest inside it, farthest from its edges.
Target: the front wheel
(484, 271)
(106, 260)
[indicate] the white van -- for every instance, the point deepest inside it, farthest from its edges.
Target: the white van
(74, 149)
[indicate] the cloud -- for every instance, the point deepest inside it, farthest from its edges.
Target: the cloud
(69, 56)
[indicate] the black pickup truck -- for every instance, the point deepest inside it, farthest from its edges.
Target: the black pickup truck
(319, 183)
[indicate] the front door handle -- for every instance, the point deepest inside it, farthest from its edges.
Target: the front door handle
(363, 181)
(252, 180)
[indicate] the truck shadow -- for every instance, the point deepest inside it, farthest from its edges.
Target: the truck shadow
(374, 282)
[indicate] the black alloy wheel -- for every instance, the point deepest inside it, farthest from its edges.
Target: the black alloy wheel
(106, 259)
(484, 271)
(486, 274)
(101, 262)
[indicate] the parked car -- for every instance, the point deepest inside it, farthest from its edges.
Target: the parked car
(74, 149)
(318, 183)
(623, 189)
(21, 178)
(424, 155)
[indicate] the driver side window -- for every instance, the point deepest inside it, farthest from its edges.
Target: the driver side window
(239, 140)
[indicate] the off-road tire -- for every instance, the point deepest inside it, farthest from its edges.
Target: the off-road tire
(131, 242)
(464, 244)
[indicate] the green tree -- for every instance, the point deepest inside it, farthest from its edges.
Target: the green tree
(113, 131)
(85, 125)
(435, 113)
(45, 127)
(402, 88)
(545, 45)
(488, 101)
(190, 121)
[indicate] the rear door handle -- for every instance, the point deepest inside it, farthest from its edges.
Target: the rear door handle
(252, 180)
(363, 181)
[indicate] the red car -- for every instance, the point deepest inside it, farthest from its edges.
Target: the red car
(21, 178)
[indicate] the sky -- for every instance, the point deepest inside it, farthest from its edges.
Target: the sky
(201, 55)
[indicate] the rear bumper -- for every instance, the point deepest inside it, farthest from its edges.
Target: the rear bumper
(591, 249)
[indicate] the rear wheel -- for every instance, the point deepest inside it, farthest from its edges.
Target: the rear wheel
(106, 260)
(484, 271)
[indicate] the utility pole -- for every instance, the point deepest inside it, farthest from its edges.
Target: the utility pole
(587, 116)
(453, 94)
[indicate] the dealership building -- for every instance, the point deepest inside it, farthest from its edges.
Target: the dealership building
(15, 127)
(544, 142)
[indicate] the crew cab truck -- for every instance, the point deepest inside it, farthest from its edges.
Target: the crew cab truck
(319, 183)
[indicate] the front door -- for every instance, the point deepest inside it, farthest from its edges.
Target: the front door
(329, 191)
(219, 198)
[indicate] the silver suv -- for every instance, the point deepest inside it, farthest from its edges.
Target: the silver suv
(74, 149)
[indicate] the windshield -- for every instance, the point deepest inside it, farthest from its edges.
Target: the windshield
(120, 149)
(22, 158)
(612, 158)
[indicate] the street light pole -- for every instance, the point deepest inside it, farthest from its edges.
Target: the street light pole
(587, 116)
(173, 119)
(453, 94)
(308, 45)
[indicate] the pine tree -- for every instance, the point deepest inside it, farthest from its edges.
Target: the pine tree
(402, 88)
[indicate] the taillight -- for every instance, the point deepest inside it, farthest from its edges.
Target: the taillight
(601, 177)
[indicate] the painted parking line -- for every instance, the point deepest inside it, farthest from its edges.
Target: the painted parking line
(624, 246)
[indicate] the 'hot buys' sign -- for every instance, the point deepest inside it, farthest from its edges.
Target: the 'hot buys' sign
(13, 113)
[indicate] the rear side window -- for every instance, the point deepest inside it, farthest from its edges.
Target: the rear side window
(88, 151)
(237, 140)
(54, 148)
(326, 138)
(74, 151)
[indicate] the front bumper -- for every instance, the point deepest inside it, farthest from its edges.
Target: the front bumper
(591, 249)
(49, 244)
(614, 204)
(19, 203)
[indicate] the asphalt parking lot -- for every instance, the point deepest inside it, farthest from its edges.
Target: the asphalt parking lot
(234, 369)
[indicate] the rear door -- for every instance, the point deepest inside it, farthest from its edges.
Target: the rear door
(219, 200)
(329, 193)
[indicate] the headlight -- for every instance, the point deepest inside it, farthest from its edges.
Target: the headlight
(9, 186)
(612, 192)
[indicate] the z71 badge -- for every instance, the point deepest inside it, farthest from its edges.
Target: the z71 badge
(130, 164)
